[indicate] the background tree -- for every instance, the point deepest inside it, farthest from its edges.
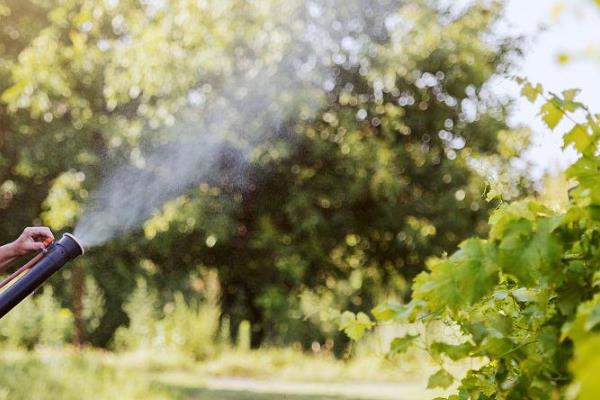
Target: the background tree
(339, 208)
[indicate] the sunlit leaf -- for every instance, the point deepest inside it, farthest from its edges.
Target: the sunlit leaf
(585, 172)
(441, 379)
(355, 325)
(461, 280)
(401, 344)
(579, 138)
(551, 114)
(396, 312)
(570, 94)
(530, 254)
(453, 351)
(531, 92)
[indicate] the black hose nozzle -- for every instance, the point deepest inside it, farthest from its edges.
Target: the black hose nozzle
(57, 255)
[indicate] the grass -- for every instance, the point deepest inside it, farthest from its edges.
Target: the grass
(259, 375)
(70, 375)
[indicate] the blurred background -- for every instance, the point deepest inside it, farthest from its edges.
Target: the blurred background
(242, 171)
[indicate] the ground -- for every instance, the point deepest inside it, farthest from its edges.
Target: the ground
(246, 389)
(265, 375)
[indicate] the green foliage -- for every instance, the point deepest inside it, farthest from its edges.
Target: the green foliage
(355, 325)
(395, 312)
(579, 138)
(63, 201)
(141, 309)
(71, 375)
(93, 304)
(531, 92)
(191, 328)
(440, 379)
(400, 344)
(185, 327)
(551, 113)
(467, 276)
(525, 299)
(453, 351)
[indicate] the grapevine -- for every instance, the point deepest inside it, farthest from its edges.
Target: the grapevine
(526, 299)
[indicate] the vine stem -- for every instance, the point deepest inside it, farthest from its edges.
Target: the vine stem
(566, 113)
(516, 348)
(479, 353)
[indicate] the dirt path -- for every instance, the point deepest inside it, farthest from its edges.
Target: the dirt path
(311, 390)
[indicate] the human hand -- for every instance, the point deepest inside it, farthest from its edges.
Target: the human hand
(33, 238)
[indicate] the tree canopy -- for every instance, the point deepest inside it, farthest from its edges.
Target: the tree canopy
(338, 206)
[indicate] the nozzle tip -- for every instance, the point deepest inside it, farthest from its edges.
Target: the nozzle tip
(76, 241)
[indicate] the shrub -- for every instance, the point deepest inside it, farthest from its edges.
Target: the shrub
(188, 327)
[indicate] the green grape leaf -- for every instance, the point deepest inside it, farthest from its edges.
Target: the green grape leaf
(401, 344)
(478, 384)
(476, 329)
(586, 171)
(567, 102)
(568, 299)
(396, 312)
(498, 325)
(570, 94)
(496, 346)
(579, 138)
(441, 379)
(464, 278)
(530, 255)
(453, 351)
(525, 209)
(551, 114)
(531, 92)
(386, 311)
(355, 325)
(510, 255)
